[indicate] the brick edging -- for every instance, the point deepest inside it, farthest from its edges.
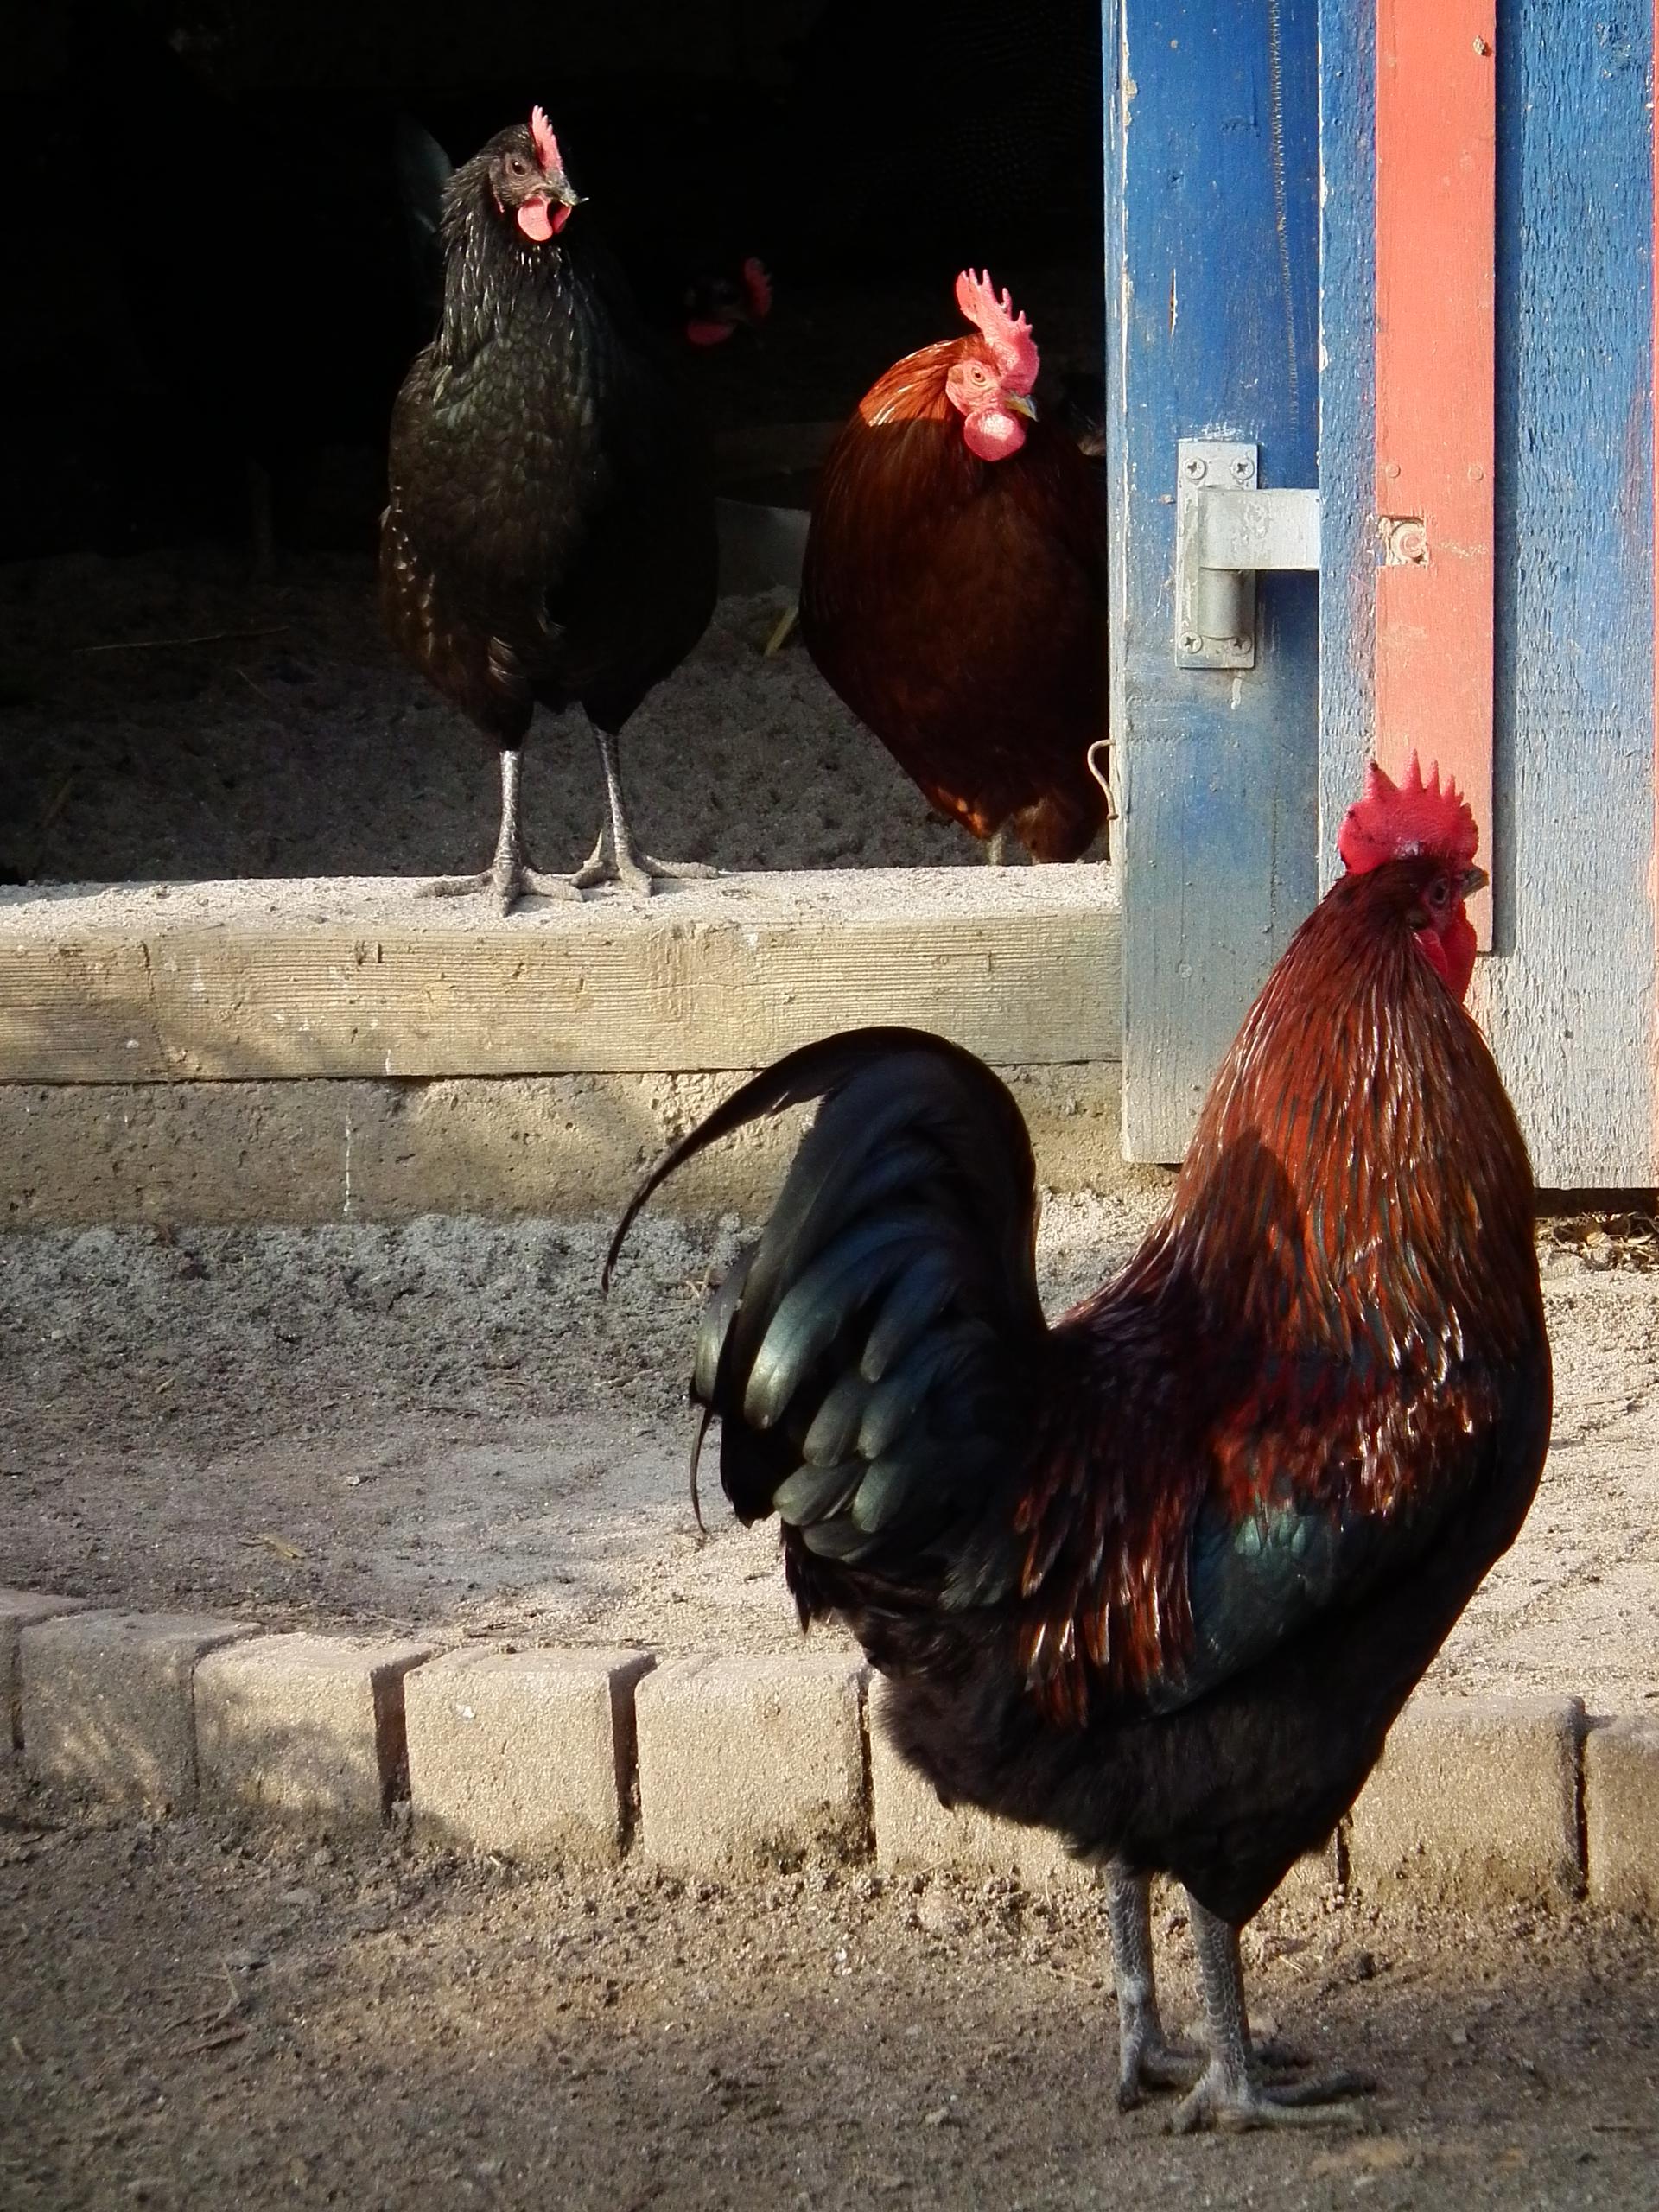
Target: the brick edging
(713, 1763)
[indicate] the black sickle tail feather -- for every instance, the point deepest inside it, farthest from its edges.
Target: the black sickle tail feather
(874, 1355)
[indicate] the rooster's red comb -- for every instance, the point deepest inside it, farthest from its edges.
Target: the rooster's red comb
(1007, 336)
(1389, 819)
(547, 146)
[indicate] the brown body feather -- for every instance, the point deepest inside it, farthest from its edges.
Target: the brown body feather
(958, 607)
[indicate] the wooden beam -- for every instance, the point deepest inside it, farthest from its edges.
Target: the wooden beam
(345, 977)
(1436, 237)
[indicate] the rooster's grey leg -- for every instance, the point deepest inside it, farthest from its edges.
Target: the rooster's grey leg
(509, 875)
(1147, 2059)
(1000, 850)
(1230, 2093)
(615, 857)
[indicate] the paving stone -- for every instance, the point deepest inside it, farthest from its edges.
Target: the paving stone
(307, 1725)
(529, 1753)
(1621, 1813)
(1476, 1799)
(752, 1760)
(20, 1609)
(108, 1703)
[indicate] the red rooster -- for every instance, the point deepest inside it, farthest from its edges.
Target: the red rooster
(1159, 1576)
(954, 590)
(550, 537)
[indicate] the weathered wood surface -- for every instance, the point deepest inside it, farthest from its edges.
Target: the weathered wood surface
(1347, 412)
(1569, 1003)
(1212, 246)
(1567, 996)
(343, 977)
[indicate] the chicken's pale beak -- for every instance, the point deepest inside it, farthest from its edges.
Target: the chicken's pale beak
(1020, 405)
(1473, 879)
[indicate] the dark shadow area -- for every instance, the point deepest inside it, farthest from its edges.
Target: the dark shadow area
(223, 265)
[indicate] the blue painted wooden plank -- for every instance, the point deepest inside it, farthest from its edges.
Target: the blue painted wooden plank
(1568, 1002)
(1212, 223)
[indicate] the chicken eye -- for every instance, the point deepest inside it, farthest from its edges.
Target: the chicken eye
(516, 165)
(1439, 892)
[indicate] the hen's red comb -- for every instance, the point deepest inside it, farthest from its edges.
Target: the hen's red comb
(547, 146)
(1007, 336)
(1389, 820)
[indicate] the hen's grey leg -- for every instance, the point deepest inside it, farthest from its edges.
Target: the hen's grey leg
(509, 875)
(615, 857)
(1230, 2094)
(1147, 2059)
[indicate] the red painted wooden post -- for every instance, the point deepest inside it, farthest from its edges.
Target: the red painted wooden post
(1436, 114)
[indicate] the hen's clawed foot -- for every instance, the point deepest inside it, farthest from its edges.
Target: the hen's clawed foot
(509, 876)
(506, 884)
(1224, 2098)
(635, 871)
(615, 857)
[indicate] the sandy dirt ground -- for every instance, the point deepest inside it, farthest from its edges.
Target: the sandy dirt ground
(437, 1425)
(440, 1426)
(194, 2017)
(295, 742)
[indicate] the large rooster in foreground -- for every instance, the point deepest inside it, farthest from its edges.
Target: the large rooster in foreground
(1160, 1576)
(954, 586)
(550, 537)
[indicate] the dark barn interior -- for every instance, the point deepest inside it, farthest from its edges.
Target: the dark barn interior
(224, 268)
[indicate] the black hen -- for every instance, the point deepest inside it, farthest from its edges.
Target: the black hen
(1159, 1576)
(550, 536)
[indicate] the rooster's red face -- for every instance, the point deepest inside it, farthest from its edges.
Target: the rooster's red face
(527, 177)
(1445, 934)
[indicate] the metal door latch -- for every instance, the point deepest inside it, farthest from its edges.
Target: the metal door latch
(1227, 528)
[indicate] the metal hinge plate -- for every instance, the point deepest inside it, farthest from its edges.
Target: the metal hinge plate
(1227, 528)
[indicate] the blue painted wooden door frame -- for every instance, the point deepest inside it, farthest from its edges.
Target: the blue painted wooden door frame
(1241, 302)
(1211, 329)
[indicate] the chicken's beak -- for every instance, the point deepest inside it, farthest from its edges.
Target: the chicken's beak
(1020, 405)
(1473, 879)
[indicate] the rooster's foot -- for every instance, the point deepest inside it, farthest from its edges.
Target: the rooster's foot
(1231, 2093)
(1226, 2097)
(1149, 2061)
(1147, 2058)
